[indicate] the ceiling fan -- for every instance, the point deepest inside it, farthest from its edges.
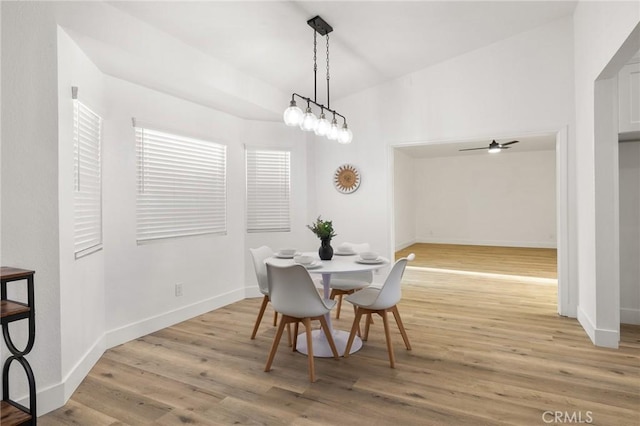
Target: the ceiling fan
(493, 147)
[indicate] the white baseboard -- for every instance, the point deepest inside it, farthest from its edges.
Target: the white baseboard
(630, 316)
(55, 396)
(149, 325)
(404, 245)
(497, 243)
(252, 291)
(599, 336)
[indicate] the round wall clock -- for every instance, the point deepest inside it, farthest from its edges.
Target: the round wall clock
(346, 178)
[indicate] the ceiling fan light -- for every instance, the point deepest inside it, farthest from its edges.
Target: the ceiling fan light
(293, 114)
(309, 121)
(494, 150)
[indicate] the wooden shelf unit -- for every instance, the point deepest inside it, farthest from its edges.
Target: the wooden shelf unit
(12, 413)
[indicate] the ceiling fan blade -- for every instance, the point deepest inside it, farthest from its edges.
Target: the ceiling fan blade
(472, 149)
(509, 143)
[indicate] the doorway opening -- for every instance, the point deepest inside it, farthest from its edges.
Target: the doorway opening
(492, 215)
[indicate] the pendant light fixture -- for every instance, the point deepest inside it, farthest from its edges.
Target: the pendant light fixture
(326, 124)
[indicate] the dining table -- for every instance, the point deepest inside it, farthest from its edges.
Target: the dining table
(339, 264)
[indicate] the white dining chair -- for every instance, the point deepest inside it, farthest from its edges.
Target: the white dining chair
(349, 282)
(380, 300)
(259, 256)
(294, 295)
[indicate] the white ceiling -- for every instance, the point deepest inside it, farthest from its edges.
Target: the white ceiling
(247, 58)
(528, 143)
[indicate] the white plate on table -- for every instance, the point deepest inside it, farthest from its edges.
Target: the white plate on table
(312, 265)
(370, 261)
(286, 256)
(344, 253)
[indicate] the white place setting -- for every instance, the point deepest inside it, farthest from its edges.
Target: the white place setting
(365, 261)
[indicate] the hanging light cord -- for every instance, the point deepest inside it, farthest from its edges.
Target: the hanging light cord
(328, 102)
(315, 67)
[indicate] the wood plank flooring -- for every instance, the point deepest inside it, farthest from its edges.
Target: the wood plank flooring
(486, 351)
(522, 261)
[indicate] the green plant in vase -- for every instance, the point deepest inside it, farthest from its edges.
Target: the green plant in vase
(323, 230)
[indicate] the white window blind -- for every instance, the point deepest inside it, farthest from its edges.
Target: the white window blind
(181, 186)
(268, 190)
(87, 129)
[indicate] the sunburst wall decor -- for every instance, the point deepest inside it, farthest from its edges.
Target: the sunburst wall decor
(346, 179)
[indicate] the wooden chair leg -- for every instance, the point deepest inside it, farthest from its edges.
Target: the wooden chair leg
(275, 318)
(295, 336)
(339, 306)
(396, 315)
(327, 333)
(387, 335)
(352, 335)
(276, 340)
(312, 371)
(265, 301)
(289, 342)
(367, 323)
(354, 314)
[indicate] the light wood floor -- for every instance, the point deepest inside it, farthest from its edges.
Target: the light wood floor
(485, 351)
(522, 261)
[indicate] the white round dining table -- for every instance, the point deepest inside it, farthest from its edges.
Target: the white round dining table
(337, 265)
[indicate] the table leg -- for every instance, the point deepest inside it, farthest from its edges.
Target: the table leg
(321, 346)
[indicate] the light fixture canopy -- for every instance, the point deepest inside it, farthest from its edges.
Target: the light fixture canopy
(307, 120)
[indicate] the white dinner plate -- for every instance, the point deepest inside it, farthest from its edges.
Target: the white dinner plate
(286, 256)
(344, 253)
(370, 262)
(312, 265)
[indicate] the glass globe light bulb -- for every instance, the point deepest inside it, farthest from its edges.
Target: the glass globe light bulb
(494, 150)
(292, 115)
(345, 135)
(309, 121)
(333, 131)
(323, 126)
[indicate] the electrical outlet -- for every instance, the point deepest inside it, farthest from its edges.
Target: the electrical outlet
(178, 289)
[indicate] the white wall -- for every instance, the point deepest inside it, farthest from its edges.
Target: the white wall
(630, 232)
(516, 86)
(600, 29)
(404, 199)
(126, 290)
(30, 177)
(506, 199)
(140, 279)
(82, 286)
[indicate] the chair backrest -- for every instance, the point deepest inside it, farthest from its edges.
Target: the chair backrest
(292, 292)
(391, 293)
(259, 255)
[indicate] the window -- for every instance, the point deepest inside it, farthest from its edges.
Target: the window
(181, 186)
(87, 200)
(268, 190)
